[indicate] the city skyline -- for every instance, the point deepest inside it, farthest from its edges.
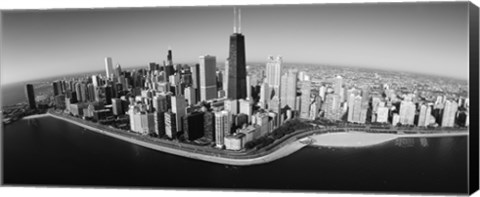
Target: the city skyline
(55, 38)
(269, 119)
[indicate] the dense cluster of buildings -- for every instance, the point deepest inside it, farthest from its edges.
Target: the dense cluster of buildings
(199, 103)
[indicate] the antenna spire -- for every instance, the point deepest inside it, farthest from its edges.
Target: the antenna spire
(236, 20)
(239, 21)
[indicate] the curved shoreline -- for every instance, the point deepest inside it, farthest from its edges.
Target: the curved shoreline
(283, 151)
(287, 146)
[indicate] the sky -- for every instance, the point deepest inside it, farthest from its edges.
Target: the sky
(415, 37)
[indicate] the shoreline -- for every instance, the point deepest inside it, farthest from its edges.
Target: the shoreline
(279, 153)
(338, 139)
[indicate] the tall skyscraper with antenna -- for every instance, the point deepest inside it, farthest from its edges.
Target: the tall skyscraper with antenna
(236, 76)
(168, 68)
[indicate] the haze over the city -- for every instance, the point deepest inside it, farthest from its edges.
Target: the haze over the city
(424, 38)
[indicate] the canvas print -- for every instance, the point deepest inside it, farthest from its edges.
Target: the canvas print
(365, 97)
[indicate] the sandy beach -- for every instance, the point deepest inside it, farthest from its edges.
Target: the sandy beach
(362, 139)
(351, 139)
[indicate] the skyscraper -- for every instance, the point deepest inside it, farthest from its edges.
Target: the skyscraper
(195, 70)
(168, 68)
(422, 116)
(351, 107)
(331, 106)
(108, 66)
(30, 96)
(449, 113)
(264, 93)
(118, 71)
(288, 88)
(222, 126)
(208, 79)
(56, 88)
(178, 108)
(189, 93)
(191, 124)
(357, 109)
(95, 81)
(407, 112)
(117, 106)
(273, 72)
(382, 113)
(170, 124)
(306, 101)
(338, 85)
(236, 76)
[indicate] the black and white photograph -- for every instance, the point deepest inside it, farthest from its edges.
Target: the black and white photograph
(374, 97)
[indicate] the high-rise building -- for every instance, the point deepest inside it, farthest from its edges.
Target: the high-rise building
(108, 67)
(222, 127)
(288, 92)
(407, 112)
(118, 71)
(449, 113)
(117, 106)
(382, 114)
(208, 82)
(273, 72)
(264, 95)
(331, 107)
(261, 119)
(78, 92)
(236, 75)
(351, 107)
(91, 92)
(108, 94)
(195, 70)
(84, 92)
(313, 112)
(321, 92)
(306, 100)
(220, 80)
(135, 122)
(209, 125)
(249, 88)
(56, 88)
(428, 117)
(170, 124)
(357, 110)
(422, 116)
(30, 94)
(178, 108)
(190, 95)
(168, 68)
(192, 122)
(159, 119)
(95, 81)
(338, 85)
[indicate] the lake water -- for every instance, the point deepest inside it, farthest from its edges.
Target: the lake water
(48, 151)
